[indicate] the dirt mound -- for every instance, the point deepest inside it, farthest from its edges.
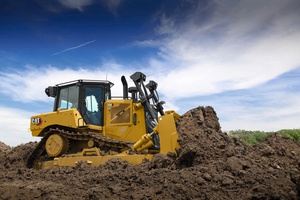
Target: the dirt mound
(202, 140)
(209, 165)
(4, 147)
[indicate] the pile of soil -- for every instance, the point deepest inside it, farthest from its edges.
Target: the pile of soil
(209, 165)
(4, 147)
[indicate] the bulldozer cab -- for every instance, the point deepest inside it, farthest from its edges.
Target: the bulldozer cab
(86, 96)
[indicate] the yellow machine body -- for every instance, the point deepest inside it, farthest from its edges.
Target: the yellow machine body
(123, 128)
(117, 127)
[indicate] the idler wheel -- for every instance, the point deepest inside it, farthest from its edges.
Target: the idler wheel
(56, 145)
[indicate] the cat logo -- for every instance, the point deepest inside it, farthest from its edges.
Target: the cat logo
(37, 121)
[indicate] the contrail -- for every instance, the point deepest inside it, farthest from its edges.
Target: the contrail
(73, 47)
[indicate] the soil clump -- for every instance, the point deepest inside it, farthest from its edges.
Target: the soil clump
(209, 165)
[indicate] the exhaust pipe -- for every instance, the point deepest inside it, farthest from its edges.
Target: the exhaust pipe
(125, 87)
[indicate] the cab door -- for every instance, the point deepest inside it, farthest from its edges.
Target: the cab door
(93, 99)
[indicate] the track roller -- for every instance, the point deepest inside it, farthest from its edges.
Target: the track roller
(56, 145)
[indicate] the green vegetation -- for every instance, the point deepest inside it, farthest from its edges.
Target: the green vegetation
(251, 137)
(293, 134)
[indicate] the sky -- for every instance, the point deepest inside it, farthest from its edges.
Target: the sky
(240, 57)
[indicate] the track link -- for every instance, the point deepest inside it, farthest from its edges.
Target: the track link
(100, 139)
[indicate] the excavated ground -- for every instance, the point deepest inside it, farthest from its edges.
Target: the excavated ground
(209, 165)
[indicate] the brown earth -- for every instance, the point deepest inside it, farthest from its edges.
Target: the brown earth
(209, 165)
(4, 147)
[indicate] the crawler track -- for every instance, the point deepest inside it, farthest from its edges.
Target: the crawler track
(99, 139)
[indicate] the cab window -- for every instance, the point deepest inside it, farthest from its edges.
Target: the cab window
(93, 97)
(68, 98)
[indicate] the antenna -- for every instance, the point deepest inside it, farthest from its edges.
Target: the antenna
(106, 77)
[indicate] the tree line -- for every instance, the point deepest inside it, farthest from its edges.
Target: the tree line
(251, 137)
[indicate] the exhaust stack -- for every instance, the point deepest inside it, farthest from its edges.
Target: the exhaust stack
(125, 87)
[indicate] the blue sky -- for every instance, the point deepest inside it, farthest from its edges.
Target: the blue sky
(241, 57)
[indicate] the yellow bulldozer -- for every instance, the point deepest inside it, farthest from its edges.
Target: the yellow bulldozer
(88, 124)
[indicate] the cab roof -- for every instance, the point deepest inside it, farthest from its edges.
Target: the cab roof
(86, 81)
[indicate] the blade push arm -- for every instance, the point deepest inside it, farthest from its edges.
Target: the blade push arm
(138, 79)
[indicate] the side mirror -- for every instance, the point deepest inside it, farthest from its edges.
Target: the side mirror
(51, 91)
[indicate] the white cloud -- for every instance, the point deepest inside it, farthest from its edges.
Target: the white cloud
(147, 43)
(14, 126)
(240, 45)
(29, 85)
(261, 118)
(268, 107)
(253, 109)
(112, 5)
(76, 4)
